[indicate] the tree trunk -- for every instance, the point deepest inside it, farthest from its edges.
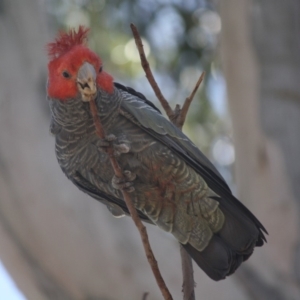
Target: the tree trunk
(260, 55)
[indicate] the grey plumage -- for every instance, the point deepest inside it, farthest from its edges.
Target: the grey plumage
(176, 187)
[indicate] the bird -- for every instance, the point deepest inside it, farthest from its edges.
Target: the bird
(170, 181)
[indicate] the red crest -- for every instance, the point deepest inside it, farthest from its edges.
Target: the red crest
(66, 41)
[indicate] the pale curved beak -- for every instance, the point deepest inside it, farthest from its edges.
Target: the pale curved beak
(86, 82)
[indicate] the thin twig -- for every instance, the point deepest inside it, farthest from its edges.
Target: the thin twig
(145, 295)
(142, 229)
(177, 117)
(188, 275)
(149, 74)
(187, 102)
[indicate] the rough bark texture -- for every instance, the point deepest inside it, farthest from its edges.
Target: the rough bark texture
(260, 51)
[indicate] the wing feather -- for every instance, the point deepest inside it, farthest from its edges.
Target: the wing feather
(154, 123)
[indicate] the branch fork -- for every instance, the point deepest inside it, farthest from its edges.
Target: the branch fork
(177, 117)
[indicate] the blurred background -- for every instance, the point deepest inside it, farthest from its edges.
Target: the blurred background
(55, 241)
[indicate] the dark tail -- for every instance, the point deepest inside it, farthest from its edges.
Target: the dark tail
(232, 245)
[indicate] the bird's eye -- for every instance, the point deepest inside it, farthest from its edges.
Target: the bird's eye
(66, 74)
(100, 69)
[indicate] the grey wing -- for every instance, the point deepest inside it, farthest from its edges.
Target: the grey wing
(155, 124)
(152, 121)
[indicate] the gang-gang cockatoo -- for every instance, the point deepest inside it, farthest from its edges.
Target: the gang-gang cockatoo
(171, 183)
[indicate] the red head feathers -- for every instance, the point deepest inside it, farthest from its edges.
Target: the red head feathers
(67, 54)
(66, 41)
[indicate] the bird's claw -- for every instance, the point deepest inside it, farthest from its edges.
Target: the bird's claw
(110, 140)
(125, 183)
(120, 148)
(129, 176)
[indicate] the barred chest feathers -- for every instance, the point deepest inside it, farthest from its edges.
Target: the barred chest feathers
(168, 191)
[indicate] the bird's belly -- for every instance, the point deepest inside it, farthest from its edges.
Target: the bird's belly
(167, 190)
(84, 156)
(174, 196)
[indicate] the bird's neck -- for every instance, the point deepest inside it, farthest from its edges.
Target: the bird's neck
(76, 112)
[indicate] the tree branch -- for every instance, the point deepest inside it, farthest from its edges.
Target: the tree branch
(149, 74)
(177, 117)
(186, 105)
(142, 229)
(145, 296)
(188, 275)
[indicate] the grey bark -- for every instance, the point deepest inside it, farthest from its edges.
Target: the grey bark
(276, 36)
(260, 55)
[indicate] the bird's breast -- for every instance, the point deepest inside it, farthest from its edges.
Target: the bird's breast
(167, 190)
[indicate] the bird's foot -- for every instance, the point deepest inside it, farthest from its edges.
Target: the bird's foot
(118, 146)
(125, 183)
